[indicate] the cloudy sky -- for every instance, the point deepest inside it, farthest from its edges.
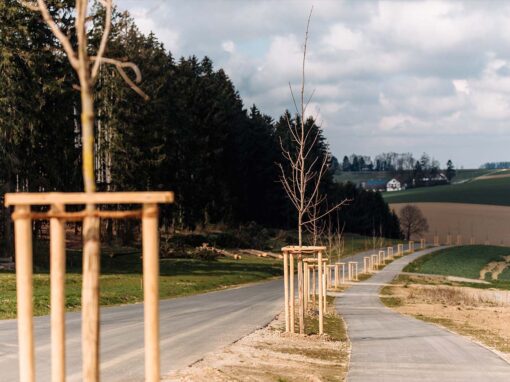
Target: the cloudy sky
(388, 76)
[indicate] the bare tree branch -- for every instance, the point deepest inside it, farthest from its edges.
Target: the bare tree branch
(120, 65)
(64, 40)
(104, 38)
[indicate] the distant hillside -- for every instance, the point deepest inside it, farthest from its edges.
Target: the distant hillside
(493, 189)
(357, 177)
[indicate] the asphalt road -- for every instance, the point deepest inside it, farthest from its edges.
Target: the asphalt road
(190, 327)
(387, 346)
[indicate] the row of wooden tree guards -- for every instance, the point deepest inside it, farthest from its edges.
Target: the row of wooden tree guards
(316, 274)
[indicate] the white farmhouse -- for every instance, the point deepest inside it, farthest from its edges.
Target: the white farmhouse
(393, 185)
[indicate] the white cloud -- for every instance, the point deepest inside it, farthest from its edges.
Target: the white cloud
(461, 86)
(387, 75)
(228, 46)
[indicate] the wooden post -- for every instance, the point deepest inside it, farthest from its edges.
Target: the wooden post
(366, 264)
(90, 300)
(23, 248)
(57, 288)
(324, 291)
(472, 240)
(381, 257)
(314, 285)
(321, 317)
(436, 241)
(448, 239)
(306, 282)
(292, 298)
(459, 239)
(286, 289)
(356, 270)
(422, 243)
(300, 295)
(150, 243)
(337, 276)
(400, 249)
(349, 271)
(390, 252)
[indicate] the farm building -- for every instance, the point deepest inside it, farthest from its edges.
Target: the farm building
(393, 185)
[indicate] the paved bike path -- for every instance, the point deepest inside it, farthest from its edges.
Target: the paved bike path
(387, 346)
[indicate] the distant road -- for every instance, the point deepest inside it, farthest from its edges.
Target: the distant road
(387, 346)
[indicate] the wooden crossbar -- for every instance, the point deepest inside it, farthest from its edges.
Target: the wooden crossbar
(47, 198)
(78, 215)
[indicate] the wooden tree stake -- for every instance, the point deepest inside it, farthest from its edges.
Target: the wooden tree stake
(292, 298)
(57, 281)
(23, 246)
(286, 288)
(321, 287)
(150, 242)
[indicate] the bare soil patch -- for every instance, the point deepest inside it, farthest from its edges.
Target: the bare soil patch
(269, 354)
(463, 310)
(483, 222)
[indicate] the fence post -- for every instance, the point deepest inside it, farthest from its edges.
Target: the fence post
(150, 243)
(57, 287)
(23, 248)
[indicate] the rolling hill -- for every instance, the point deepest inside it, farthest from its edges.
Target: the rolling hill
(492, 190)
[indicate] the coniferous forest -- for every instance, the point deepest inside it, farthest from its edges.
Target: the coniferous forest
(193, 136)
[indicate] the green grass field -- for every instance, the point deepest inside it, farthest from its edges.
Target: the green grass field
(464, 261)
(488, 191)
(120, 281)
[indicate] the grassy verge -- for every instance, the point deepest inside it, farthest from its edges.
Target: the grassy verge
(120, 281)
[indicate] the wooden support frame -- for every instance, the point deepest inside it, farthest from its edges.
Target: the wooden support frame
(381, 257)
(343, 272)
(353, 270)
(400, 249)
(366, 265)
(389, 251)
(305, 266)
(410, 246)
(23, 217)
(375, 262)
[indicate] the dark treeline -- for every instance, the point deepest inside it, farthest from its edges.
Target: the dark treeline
(194, 136)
